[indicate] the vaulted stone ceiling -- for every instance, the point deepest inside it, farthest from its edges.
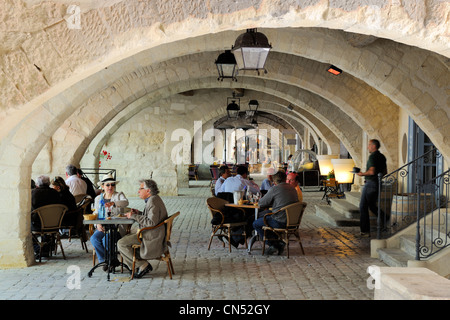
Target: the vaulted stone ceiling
(77, 86)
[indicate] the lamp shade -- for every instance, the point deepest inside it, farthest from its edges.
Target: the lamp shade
(342, 170)
(325, 164)
(226, 66)
(251, 50)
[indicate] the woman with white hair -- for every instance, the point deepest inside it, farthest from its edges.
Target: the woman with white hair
(112, 203)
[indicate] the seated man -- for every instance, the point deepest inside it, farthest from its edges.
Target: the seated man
(292, 179)
(239, 182)
(75, 184)
(268, 182)
(41, 196)
(224, 174)
(153, 244)
(279, 196)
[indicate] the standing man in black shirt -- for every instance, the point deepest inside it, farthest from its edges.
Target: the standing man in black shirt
(369, 197)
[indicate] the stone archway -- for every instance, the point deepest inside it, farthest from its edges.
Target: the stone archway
(52, 71)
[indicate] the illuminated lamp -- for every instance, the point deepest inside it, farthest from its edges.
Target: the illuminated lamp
(342, 170)
(325, 165)
(334, 70)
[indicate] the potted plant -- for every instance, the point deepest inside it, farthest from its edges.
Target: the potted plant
(330, 175)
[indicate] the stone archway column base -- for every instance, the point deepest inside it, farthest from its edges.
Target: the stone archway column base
(16, 253)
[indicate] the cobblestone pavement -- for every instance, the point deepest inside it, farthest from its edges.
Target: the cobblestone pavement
(334, 266)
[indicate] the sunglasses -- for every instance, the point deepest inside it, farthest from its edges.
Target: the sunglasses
(112, 185)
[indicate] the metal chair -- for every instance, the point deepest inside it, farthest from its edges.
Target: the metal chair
(50, 217)
(83, 207)
(216, 206)
(214, 170)
(168, 223)
(332, 190)
(294, 214)
(193, 171)
(80, 197)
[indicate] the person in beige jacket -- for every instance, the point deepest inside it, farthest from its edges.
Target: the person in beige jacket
(153, 244)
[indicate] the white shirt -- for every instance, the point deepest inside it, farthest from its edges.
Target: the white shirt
(237, 183)
(76, 185)
(219, 183)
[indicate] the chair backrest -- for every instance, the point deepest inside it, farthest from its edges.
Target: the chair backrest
(85, 204)
(79, 197)
(214, 170)
(51, 216)
(228, 196)
(331, 183)
(215, 203)
(294, 214)
(169, 225)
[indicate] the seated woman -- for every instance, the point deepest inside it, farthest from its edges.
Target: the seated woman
(110, 201)
(67, 199)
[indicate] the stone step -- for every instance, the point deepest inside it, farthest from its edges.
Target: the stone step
(394, 257)
(408, 244)
(334, 217)
(353, 197)
(346, 208)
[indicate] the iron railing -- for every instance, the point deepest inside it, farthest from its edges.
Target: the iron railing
(404, 199)
(433, 230)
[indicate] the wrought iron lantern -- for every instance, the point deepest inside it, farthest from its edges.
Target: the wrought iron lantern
(233, 107)
(251, 50)
(226, 66)
(253, 108)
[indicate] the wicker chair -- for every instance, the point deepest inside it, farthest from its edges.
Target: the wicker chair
(294, 214)
(50, 217)
(216, 206)
(168, 223)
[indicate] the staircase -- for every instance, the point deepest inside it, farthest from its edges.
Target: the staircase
(341, 212)
(400, 248)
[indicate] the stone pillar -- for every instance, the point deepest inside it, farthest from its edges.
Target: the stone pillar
(16, 248)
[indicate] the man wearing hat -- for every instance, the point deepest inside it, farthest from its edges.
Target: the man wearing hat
(112, 203)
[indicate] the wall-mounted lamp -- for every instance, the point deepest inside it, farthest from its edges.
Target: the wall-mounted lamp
(334, 70)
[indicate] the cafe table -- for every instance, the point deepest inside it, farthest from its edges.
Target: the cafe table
(110, 226)
(248, 206)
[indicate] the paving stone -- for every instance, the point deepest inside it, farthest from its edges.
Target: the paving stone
(334, 266)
